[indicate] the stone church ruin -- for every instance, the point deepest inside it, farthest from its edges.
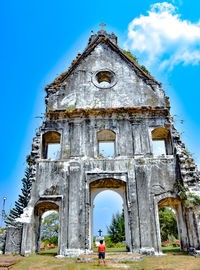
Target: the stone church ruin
(106, 97)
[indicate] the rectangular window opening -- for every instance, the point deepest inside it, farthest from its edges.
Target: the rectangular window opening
(53, 151)
(159, 148)
(107, 149)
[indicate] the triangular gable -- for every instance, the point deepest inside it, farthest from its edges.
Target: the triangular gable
(91, 46)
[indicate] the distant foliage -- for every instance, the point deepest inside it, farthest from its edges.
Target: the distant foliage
(168, 224)
(49, 229)
(116, 230)
(23, 199)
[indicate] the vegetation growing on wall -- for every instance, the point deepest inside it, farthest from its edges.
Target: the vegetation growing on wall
(133, 57)
(189, 200)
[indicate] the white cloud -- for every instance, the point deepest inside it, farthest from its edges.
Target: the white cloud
(163, 38)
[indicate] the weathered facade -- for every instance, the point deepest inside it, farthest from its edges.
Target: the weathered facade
(105, 96)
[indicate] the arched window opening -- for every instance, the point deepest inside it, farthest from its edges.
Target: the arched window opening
(161, 142)
(106, 143)
(108, 219)
(51, 145)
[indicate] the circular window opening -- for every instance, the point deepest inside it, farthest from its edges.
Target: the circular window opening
(104, 79)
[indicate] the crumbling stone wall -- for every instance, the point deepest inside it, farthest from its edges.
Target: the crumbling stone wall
(13, 239)
(2, 242)
(133, 106)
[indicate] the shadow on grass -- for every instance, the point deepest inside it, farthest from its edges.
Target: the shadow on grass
(173, 251)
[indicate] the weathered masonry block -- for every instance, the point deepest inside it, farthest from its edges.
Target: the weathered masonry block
(106, 98)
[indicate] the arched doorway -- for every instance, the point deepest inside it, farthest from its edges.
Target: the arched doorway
(49, 232)
(168, 228)
(175, 204)
(106, 204)
(117, 186)
(41, 208)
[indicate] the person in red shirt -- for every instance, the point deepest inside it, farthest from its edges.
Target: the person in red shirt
(101, 250)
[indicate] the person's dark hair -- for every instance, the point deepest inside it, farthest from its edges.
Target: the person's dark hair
(101, 241)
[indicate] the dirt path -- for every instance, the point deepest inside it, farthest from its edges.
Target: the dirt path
(6, 261)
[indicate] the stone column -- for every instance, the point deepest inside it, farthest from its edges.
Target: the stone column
(132, 209)
(74, 197)
(65, 147)
(76, 142)
(137, 144)
(143, 207)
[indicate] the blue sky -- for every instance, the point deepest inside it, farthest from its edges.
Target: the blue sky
(40, 38)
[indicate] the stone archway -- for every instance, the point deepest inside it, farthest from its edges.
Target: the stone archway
(118, 186)
(40, 208)
(170, 200)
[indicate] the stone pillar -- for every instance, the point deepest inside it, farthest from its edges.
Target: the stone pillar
(28, 239)
(74, 196)
(64, 220)
(76, 142)
(182, 227)
(143, 207)
(124, 140)
(65, 142)
(155, 223)
(145, 140)
(192, 228)
(137, 144)
(132, 210)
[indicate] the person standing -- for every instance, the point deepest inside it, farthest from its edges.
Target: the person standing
(101, 250)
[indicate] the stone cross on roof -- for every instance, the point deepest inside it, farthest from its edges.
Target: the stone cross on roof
(102, 25)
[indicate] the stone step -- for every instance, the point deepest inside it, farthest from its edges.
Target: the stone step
(189, 179)
(111, 258)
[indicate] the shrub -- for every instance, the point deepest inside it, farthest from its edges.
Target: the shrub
(165, 243)
(176, 243)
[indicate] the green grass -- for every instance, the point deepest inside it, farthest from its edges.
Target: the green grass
(50, 252)
(44, 262)
(174, 259)
(171, 249)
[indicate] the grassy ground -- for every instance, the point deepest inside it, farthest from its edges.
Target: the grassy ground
(174, 260)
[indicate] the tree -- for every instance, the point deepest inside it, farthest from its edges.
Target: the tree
(168, 224)
(116, 230)
(23, 199)
(49, 228)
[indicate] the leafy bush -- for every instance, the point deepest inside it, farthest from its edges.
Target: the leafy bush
(176, 243)
(49, 229)
(165, 243)
(168, 224)
(109, 242)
